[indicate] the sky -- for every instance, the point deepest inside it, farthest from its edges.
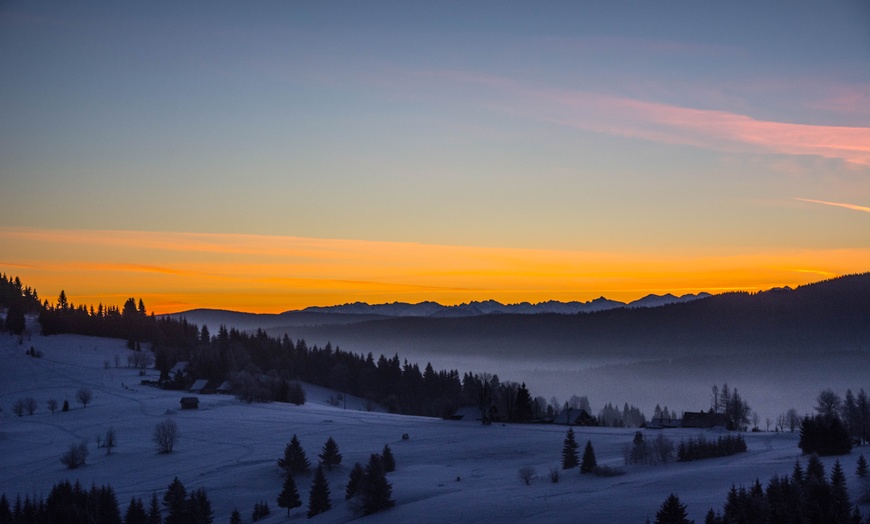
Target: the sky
(272, 155)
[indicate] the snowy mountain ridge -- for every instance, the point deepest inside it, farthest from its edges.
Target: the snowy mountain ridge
(489, 307)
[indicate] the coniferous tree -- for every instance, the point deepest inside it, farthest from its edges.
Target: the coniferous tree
(261, 509)
(135, 512)
(377, 492)
(175, 500)
(354, 482)
(797, 473)
(589, 463)
(330, 456)
(570, 458)
(861, 467)
(672, 512)
(318, 497)
(235, 517)
(199, 508)
(5, 510)
(289, 496)
(388, 459)
(294, 461)
(154, 511)
(523, 404)
(841, 505)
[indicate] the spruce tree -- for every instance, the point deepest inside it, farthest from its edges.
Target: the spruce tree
(523, 404)
(5, 510)
(154, 511)
(861, 467)
(289, 496)
(841, 504)
(389, 460)
(589, 463)
(354, 482)
(672, 512)
(318, 497)
(175, 500)
(569, 451)
(235, 517)
(135, 512)
(377, 492)
(330, 456)
(199, 507)
(294, 461)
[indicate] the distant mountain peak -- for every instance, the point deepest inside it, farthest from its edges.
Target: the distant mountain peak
(491, 307)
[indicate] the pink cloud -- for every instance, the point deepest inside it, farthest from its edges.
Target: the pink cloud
(667, 123)
(837, 204)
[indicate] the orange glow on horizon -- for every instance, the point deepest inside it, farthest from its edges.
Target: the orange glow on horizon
(267, 274)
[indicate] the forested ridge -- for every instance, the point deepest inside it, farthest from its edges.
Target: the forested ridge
(829, 315)
(266, 368)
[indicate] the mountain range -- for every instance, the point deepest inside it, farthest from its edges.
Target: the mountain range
(489, 307)
(828, 315)
(360, 311)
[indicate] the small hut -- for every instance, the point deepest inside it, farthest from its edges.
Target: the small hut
(190, 403)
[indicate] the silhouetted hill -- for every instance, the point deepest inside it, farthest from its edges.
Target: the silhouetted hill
(833, 314)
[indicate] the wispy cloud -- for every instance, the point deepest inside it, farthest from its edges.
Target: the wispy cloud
(671, 124)
(837, 204)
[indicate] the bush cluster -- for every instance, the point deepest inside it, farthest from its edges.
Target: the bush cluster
(701, 448)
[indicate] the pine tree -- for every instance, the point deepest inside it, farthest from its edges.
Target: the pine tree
(841, 504)
(589, 463)
(672, 512)
(135, 512)
(154, 511)
(199, 507)
(175, 500)
(354, 482)
(235, 517)
(389, 460)
(523, 404)
(377, 492)
(569, 451)
(330, 456)
(289, 496)
(797, 474)
(861, 468)
(294, 461)
(5, 511)
(318, 497)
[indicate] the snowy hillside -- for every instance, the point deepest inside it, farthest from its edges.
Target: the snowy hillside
(446, 471)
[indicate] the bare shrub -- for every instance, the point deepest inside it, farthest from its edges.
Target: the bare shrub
(140, 359)
(526, 474)
(554, 475)
(84, 396)
(18, 407)
(109, 441)
(30, 405)
(165, 435)
(75, 455)
(607, 471)
(52, 405)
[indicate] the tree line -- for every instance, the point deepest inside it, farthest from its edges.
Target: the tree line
(266, 368)
(808, 495)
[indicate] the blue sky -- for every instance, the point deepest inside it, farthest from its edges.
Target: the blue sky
(638, 129)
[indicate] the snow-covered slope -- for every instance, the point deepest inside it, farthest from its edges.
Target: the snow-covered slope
(447, 471)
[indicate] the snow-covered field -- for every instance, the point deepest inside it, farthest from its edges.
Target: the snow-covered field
(446, 471)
